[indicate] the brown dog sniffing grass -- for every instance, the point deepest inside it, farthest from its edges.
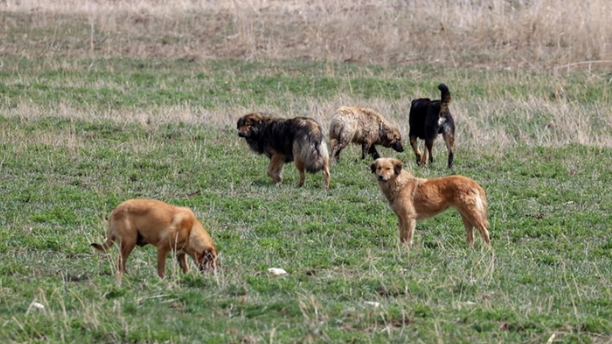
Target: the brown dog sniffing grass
(169, 228)
(413, 199)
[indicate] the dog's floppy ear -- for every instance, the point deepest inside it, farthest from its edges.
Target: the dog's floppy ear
(397, 166)
(373, 166)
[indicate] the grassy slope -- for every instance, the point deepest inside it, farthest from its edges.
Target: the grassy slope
(549, 271)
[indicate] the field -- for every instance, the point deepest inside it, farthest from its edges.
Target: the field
(102, 103)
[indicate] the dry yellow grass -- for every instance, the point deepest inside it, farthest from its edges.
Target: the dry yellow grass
(480, 123)
(496, 33)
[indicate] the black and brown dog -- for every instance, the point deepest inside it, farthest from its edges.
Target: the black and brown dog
(284, 140)
(427, 119)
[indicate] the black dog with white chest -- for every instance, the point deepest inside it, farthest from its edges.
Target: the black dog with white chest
(427, 119)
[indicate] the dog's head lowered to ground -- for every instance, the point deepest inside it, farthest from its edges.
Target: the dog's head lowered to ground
(393, 139)
(139, 222)
(365, 127)
(207, 260)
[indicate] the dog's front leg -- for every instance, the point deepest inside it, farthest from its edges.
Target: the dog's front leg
(415, 149)
(162, 254)
(373, 152)
(407, 224)
(182, 261)
(365, 147)
(275, 168)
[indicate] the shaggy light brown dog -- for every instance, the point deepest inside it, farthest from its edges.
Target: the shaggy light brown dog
(365, 127)
(169, 228)
(413, 199)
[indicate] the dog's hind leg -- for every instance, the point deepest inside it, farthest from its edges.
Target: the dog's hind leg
(482, 224)
(182, 261)
(162, 254)
(428, 153)
(338, 143)
(335, 149)
(449, 139)
(415, 147)
(326, 174)
(275, 168)
(469, 231)
(429, 147)
(299, 164)
(482, 228)
(474, 218)
(125, 249)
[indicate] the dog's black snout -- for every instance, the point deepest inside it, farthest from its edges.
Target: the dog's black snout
(241, 134)
(381, 177)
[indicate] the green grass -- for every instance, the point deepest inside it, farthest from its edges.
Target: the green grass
(128, 83)
(548, 272)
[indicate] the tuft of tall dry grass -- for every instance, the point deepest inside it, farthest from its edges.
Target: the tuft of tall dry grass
(495, 33)
(481, 123)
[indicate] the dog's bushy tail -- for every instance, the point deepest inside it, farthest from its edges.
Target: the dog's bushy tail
(445, 98)
(312, 149)
(314, 155)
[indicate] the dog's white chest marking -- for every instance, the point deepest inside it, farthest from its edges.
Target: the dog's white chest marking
(441, 121)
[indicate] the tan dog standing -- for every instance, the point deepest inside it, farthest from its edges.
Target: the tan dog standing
(169, 228)
(413, 199)
(365, 127)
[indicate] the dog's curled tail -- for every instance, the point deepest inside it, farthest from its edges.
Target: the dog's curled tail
(445, 98)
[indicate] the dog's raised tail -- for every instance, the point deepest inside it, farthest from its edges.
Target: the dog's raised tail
(445, 98)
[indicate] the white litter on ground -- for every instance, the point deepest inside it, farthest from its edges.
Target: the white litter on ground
(38, 305)
(277, 271)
